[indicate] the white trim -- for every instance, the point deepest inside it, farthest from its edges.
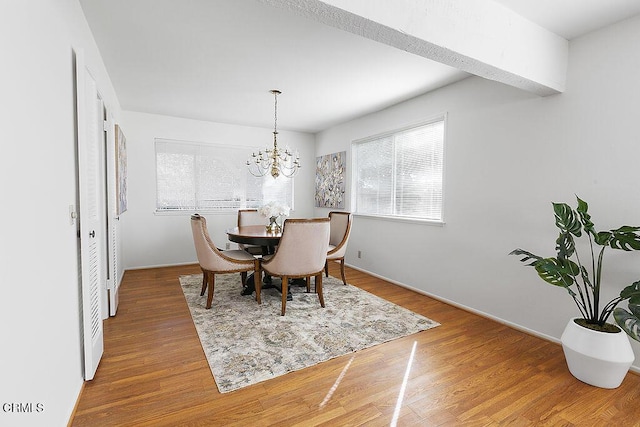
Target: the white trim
(430, 295)
(461, 306)
(144, 267)
(430, 222)
(474, 311)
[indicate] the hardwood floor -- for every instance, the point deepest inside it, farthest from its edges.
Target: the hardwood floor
(469, 371)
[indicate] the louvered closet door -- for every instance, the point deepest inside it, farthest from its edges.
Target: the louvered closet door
(89, 128)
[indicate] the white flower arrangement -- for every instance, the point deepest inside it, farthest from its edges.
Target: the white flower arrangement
(274, 209)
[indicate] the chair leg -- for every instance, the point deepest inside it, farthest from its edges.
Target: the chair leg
(257, 280)
(326, 268)
(204, 282)
(212, 281)
(243, 278)
(344, 278)
(308, 280)
(319, 289)
(285, 284)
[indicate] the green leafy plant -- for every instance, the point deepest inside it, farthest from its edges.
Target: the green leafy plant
(582, 281)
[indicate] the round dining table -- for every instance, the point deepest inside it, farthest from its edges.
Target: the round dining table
(268, 240)
(255, 235)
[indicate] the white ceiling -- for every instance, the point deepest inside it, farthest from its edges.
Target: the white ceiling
(217, 60)
(573, 18)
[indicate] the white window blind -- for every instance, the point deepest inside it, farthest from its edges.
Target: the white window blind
(400, 174)
(212, 177)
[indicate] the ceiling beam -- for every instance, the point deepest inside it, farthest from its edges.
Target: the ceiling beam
(481, 37)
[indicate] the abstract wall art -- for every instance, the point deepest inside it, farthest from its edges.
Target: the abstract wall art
(330, 180)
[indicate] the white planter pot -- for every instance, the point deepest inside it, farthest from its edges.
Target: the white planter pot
(597, 358)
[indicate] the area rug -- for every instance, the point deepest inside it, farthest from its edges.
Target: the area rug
(246, 343)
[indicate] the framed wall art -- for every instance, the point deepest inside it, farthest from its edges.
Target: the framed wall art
(330, 176)
(121, 171)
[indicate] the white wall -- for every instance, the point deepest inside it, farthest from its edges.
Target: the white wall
(151, 239)
(509, 154)
(40, 354)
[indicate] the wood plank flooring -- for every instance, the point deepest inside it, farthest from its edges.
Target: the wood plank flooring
(469, 371)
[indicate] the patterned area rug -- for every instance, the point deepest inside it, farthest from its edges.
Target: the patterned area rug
(246, 343)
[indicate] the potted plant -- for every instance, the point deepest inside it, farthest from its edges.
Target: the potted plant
(597, 352)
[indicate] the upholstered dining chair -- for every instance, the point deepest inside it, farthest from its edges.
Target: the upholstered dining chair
(301, 253)
(340, 231)
(213, 261)
(250, 217)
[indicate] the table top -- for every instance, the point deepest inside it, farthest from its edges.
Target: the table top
(253, 235)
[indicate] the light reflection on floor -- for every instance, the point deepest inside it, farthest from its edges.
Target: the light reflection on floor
(396, 412)
(334, 387)
(403, 387)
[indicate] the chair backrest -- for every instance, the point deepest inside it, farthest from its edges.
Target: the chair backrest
(250, 217)
(302, 249)
(209, 257)
(340, 230)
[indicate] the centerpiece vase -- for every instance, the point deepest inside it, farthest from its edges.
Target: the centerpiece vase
(273, 226)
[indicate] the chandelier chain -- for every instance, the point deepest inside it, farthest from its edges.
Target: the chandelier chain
(275, 111)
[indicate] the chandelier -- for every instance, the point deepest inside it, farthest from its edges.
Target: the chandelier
(274, 160)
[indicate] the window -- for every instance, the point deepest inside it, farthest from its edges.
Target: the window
(400, 174)
(212, 177)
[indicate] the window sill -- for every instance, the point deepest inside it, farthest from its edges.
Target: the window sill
(190, 212)
(429, 222)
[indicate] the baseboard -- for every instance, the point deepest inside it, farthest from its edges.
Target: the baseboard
(634, 369)
(75, 407)
(162, 265)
